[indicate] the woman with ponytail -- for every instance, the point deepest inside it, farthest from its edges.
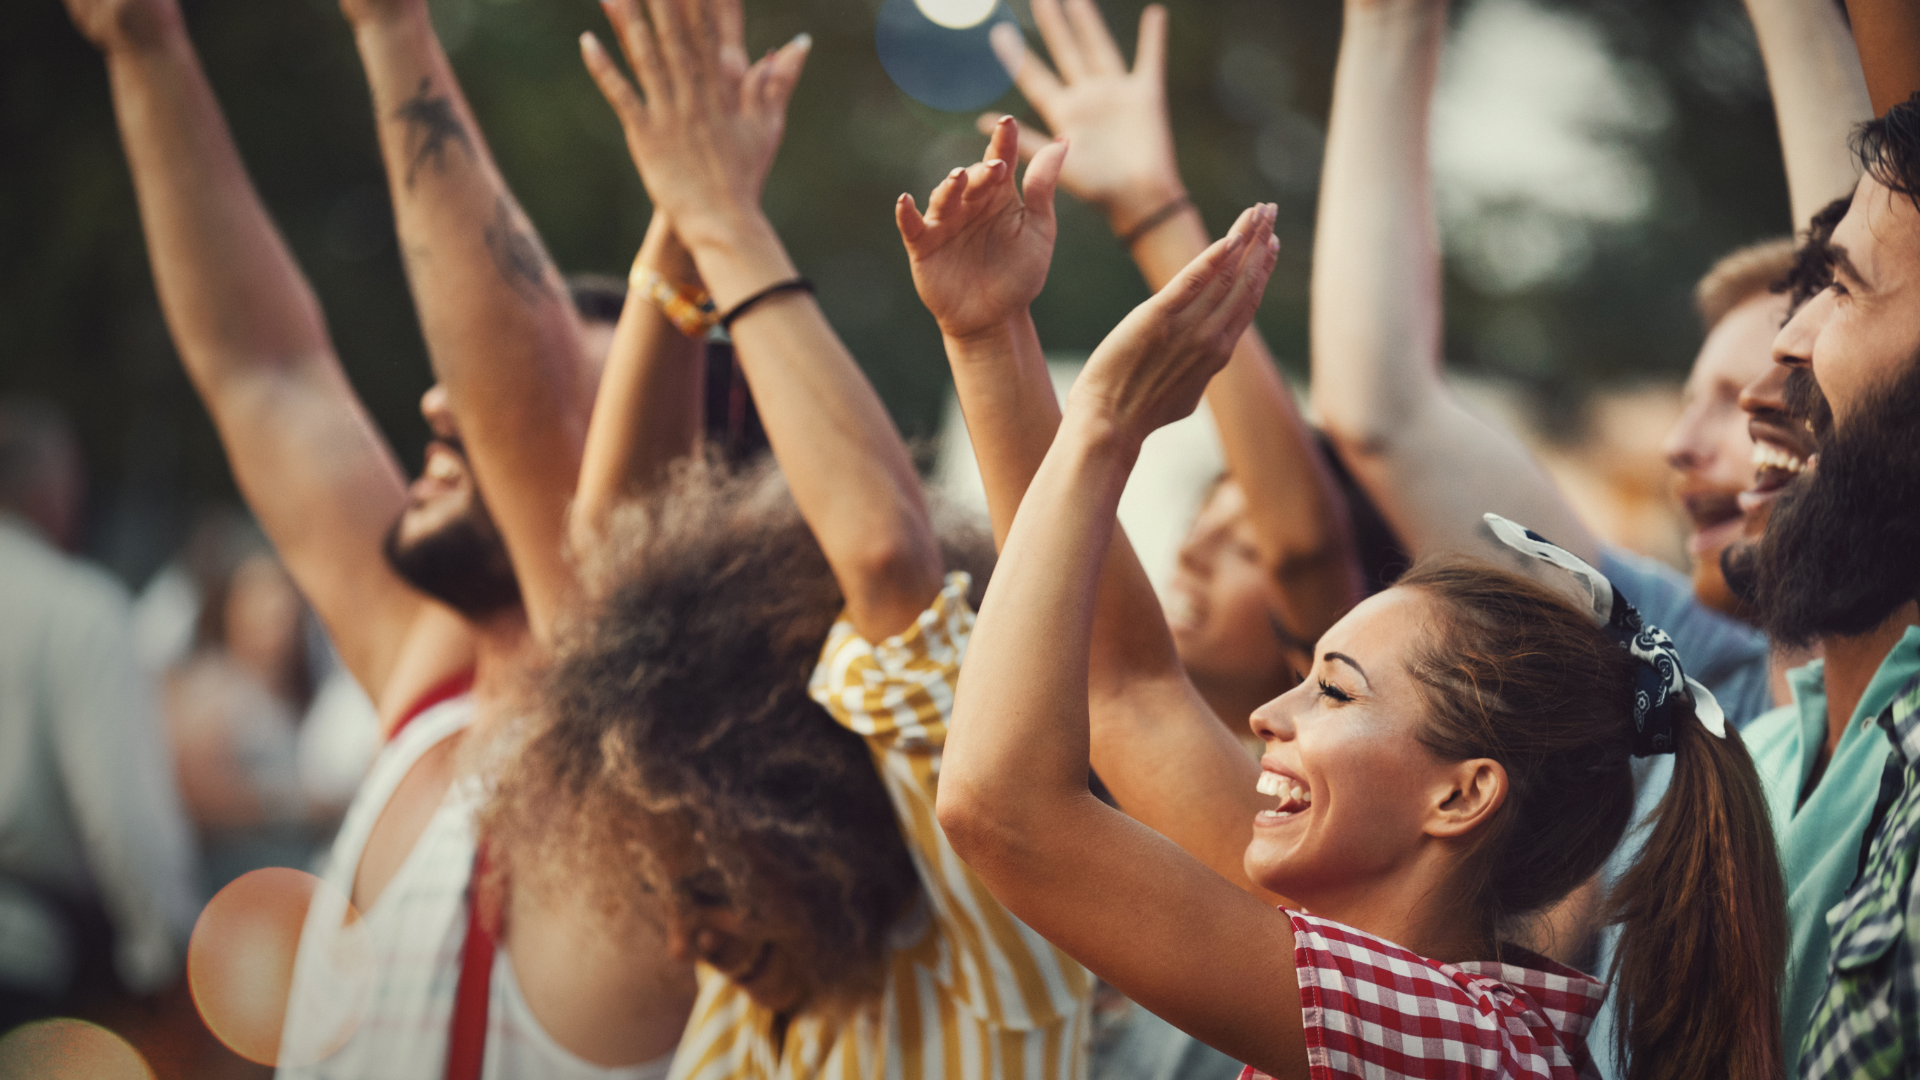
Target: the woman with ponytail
(1456, 761)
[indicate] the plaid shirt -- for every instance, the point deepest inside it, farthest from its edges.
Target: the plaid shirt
(1375, 1009)
(1868, 1024)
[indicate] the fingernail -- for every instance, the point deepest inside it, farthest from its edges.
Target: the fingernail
(801, 40)
(955, 173)
(1273, 242)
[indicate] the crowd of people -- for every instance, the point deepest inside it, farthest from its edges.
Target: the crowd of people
(695, 760)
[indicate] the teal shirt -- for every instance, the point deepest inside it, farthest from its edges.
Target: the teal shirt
(1819, 841)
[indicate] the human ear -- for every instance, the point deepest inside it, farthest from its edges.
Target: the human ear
(1471, 791)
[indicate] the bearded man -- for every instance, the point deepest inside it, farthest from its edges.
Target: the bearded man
(1835, 568)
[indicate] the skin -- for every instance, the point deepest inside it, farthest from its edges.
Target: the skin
(979, 256)
(1818, 94)
(1013, 798)
(1856, 335)
(1709, 449)
(1123, 164)
(703, 127)
(325, 485)
(1889, 35)
(1222, 608)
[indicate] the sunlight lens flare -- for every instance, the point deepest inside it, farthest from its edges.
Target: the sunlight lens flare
(957, 14)
(69, 1050)
(940, 53)
(247, 952)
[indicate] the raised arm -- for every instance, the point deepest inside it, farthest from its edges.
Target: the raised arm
(1888, 35)
(648, 410)
(499, 326)
(1123, 164)
(1431, 466)
(307, 457)
(1819, 95)
(1013, 796)
(702, 129)
(979, 257)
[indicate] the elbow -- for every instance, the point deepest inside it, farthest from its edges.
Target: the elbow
(890, 576)
(1357, 433)
(965, 817)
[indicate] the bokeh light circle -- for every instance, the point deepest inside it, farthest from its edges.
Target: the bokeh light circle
(248, 950)
(949, 68)
(957, 14)
(69, 1050)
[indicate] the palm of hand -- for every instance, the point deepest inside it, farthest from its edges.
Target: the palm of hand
(1153, 368)
(1121, 142)
(979, 263)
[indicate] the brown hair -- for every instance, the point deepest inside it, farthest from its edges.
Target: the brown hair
(677, 717)
(1740, 276)
(1520, 676)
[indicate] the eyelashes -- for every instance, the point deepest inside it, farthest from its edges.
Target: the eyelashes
(1328, 690)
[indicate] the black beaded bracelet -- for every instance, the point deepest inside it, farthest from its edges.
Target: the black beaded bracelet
(1155, 220)
(798, 284)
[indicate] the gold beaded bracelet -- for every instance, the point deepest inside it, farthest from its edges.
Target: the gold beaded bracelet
(689, 310)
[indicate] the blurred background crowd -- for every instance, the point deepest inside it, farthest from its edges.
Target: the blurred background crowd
(1616, 148)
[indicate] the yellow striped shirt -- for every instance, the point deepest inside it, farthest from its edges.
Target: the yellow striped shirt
(970, 991)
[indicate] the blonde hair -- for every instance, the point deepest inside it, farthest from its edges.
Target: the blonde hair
(1739, 276)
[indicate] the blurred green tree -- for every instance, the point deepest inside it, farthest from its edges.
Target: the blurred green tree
(1249, 79)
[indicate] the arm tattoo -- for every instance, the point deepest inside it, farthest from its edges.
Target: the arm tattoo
(518, 255)
(432, 126)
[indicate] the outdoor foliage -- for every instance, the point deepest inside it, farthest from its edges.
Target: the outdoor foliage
(1250, 81)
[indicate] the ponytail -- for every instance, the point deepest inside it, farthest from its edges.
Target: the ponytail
(1703, 924)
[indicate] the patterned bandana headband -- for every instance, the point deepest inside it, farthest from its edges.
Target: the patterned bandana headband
(1659, 682)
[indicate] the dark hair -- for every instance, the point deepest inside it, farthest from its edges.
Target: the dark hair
(677, 713)
(1517, 674)
(1383, 558)
(1812, 266)
(1888, 148)
(597, 297)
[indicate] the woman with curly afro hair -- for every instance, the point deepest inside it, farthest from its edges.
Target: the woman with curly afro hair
(743, 722)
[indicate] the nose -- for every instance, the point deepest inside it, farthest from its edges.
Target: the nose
(1793, 345)
(1685, 450)
(1767, 395)
(1273, 722)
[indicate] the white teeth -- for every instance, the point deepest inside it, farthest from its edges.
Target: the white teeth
(1288, 792)
(1768, 456)
(441, 468)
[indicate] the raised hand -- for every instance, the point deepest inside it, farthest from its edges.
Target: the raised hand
(124, 24)
(1153, 367)
(1123, 159)
(980, 254)
(704, 125)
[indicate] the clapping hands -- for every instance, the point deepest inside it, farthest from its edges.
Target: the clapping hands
(704, 126)
(980, 253)
(1152, 368)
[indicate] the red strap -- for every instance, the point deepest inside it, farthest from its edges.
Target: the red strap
(445, 690)
(467, 1034)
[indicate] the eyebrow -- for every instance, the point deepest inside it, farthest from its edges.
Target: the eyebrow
(1350, 662)
(1838, 259)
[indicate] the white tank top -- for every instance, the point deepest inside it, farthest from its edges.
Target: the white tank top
(416, 928)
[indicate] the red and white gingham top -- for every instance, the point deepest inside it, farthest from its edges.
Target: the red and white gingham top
(1373, 1009)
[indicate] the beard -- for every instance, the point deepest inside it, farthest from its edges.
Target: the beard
(1838, 555)
(463, 563)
